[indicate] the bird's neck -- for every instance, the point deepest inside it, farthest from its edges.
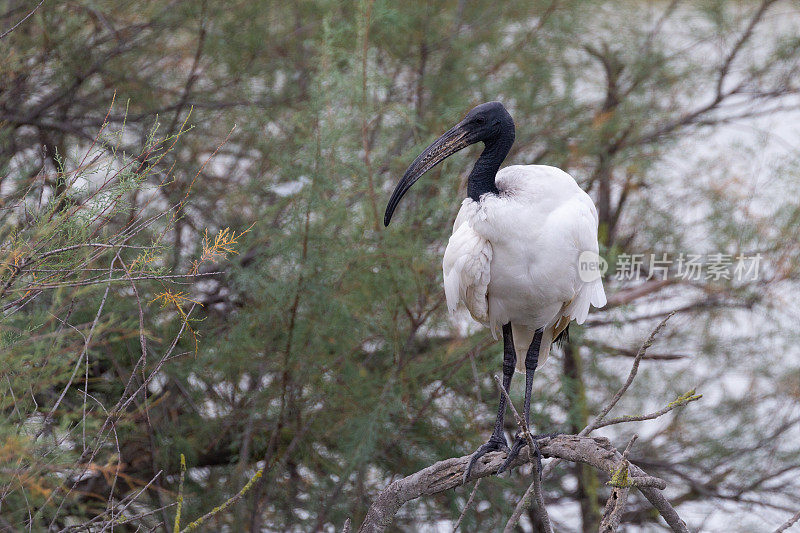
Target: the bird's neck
(482, 178)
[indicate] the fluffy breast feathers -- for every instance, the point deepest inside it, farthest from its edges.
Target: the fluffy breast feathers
(513, 257)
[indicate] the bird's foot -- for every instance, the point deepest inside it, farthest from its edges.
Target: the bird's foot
(494, 444)
(520, 441)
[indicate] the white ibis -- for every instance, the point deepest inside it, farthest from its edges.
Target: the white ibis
(513, 258)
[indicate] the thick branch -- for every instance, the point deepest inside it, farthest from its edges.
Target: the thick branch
(594, 451)
(445, 475)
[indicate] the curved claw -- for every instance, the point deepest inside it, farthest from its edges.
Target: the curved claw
(494, 444)
(520, 442)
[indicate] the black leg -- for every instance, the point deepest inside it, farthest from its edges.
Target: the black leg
(531, 362)
(498, 440)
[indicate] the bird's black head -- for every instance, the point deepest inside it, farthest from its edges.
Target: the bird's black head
(489, 123)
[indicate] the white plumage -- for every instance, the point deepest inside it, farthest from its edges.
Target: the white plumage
(523, 254)
(513, 256)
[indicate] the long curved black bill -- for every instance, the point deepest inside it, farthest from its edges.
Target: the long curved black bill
(451, 142)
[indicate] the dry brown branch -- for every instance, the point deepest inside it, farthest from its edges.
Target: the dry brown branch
(445, 475)
(594, 451)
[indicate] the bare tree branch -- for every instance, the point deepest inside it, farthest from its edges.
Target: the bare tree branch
(599, 419)
(445, 475)
(615, 506)
(731, 57)
(594, 451)
(789, 523)
(26, 17)
(634, 369)
(678, 402)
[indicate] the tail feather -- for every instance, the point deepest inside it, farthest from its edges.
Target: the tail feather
(598, 294)
(591, 294)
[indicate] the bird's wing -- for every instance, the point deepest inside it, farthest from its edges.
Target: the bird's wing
(466, 265)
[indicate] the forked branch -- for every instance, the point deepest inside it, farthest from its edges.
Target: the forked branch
(581, 448)
(448, 474)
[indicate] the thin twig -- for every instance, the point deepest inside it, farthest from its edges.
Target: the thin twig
(127, 501)
(629, 446)
(789, 523)
(14, 27)
(98, 280)
(121, 406)
(679, 402)
(634, 370)
(632, 374)
(85, 351)
(467, 506)
(233, 499)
